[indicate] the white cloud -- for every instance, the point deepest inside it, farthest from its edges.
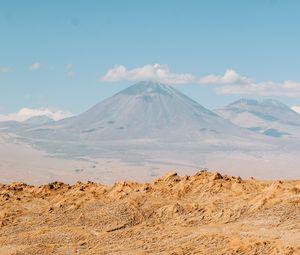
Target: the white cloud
(26, 113)
(6, 70)
(156, 72)
(268, 88)
(69, 66)
(296, 108)
(230, 77)
(70, 73)
(233, 83)
(35, 66)
(69, 70)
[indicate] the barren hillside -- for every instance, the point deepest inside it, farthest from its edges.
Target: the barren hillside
(202, 214)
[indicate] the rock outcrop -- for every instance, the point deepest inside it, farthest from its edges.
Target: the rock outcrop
(199, 214)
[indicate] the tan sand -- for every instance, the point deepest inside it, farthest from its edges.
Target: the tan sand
(206, 213)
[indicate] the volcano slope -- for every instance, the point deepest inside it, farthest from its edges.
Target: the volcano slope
(200, 214)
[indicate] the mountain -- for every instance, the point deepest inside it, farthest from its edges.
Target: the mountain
(146, 110)
(11, 126)
(16, 126)
(38, 120)
(269, 116)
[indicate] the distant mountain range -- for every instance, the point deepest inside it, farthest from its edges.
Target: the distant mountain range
(149, 110)
(269, 117)
(154, 113)
(38, 120)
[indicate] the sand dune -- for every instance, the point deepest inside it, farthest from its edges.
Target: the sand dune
(199, 214)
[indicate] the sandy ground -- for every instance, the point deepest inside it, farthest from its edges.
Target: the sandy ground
(206, 213)
(276, 165)
(20, 162)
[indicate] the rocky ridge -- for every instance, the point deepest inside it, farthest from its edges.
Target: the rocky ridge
(206, 212)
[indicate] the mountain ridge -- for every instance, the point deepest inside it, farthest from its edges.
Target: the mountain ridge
(268, 116)
(203, 213)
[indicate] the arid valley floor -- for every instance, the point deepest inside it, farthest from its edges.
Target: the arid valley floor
(207, 213)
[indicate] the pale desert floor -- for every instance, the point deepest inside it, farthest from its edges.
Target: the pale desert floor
(20, 162)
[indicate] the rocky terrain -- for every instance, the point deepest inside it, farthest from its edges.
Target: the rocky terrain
(206, 213)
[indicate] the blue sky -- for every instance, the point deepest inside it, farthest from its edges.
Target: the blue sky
(54, 53)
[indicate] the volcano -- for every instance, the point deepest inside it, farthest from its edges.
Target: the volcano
(146, 110)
